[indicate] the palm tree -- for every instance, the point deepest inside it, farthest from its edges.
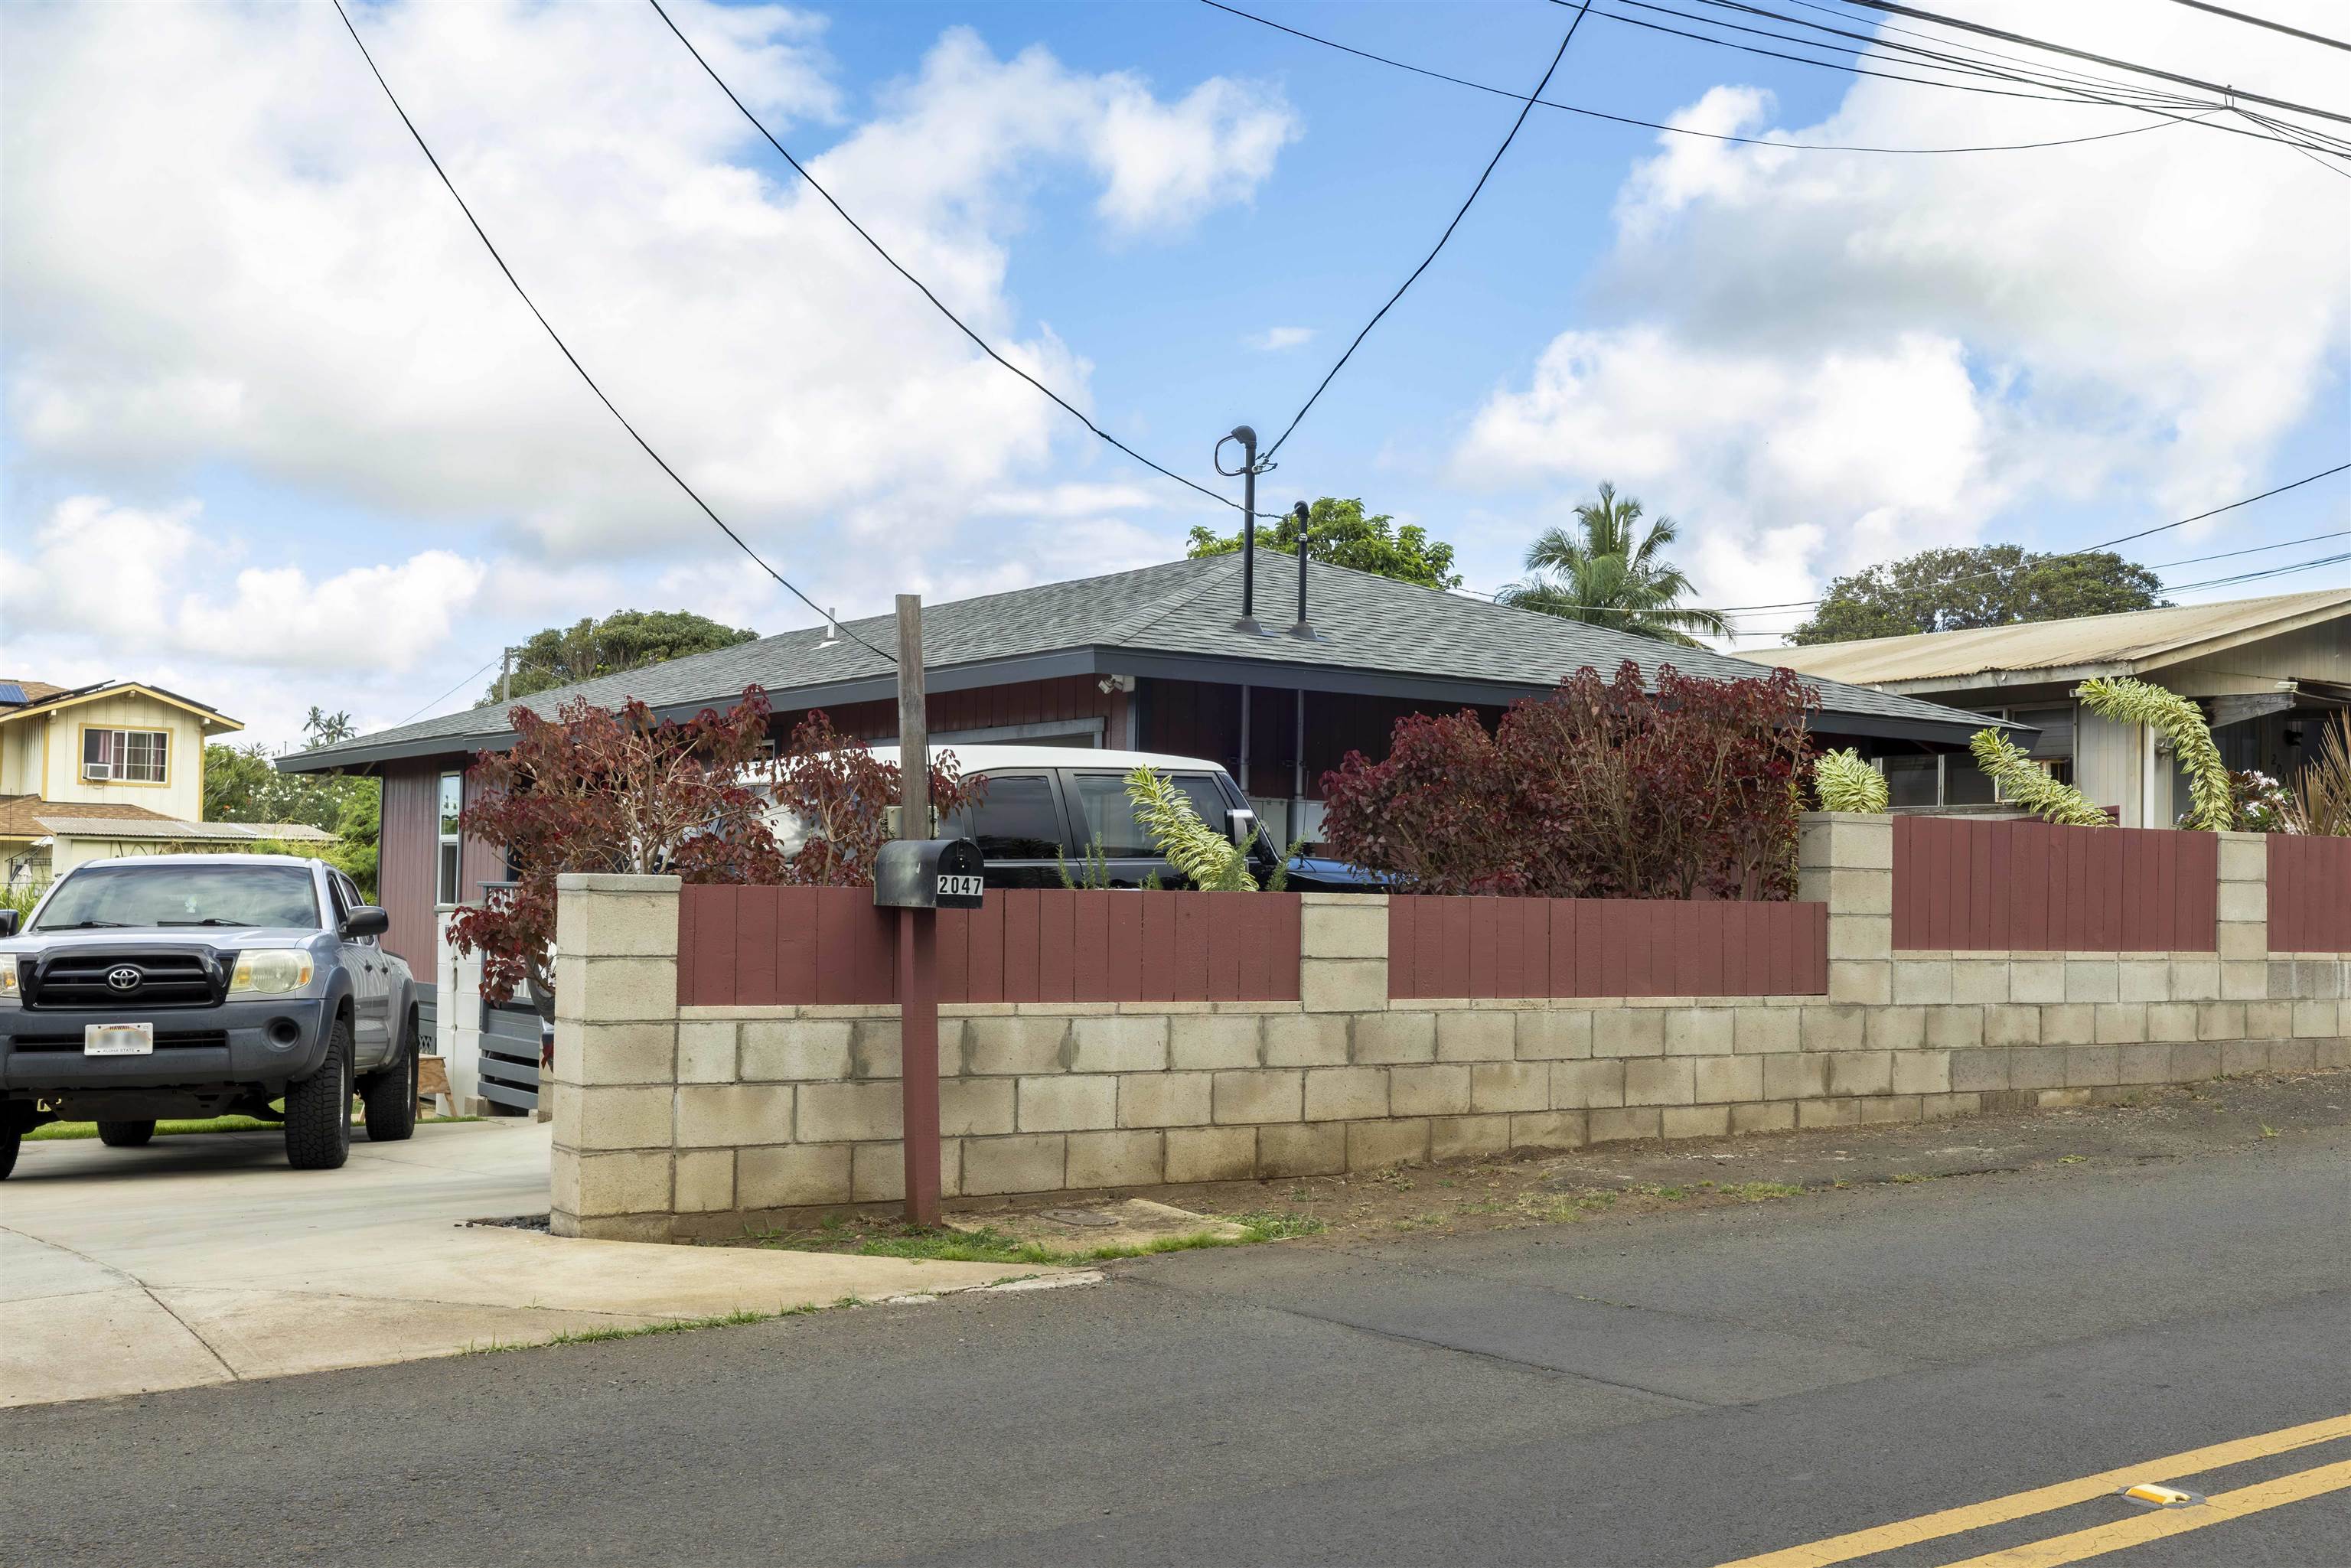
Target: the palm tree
(1609, 577)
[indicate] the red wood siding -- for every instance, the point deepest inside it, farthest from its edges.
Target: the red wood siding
(2036, 887)
(1449, 947)
(2309, 894)
(405, 851)
(767, 946)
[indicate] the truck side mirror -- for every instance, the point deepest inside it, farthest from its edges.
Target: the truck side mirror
(367, 920)
(1243, 827)
(8, 921)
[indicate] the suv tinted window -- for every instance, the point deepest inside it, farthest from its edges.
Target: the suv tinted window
(1104, 809)
(1018, 819)
(183, 895)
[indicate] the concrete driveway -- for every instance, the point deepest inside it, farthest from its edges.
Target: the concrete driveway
(203, 1258)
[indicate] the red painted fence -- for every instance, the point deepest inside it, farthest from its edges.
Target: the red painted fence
(2309, 894)
(2037, 887)
(1452, 946)
(750, 947)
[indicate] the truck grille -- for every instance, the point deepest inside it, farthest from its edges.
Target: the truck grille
(165, 1039)
(166, 979)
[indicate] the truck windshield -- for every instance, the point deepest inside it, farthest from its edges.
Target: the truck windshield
(182, 895)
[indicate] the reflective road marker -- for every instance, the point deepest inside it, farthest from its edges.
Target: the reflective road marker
(2064, 1494)
(2140, 1528)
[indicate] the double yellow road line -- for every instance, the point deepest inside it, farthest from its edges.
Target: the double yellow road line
(2098, 1539)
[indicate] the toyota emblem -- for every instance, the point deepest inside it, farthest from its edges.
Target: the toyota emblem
(124, 977)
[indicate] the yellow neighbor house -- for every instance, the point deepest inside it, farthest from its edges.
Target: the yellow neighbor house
(114, 769)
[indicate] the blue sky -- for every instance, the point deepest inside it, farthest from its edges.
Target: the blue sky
(276, 433)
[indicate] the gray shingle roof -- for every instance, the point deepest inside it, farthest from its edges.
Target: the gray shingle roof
(1184, 610)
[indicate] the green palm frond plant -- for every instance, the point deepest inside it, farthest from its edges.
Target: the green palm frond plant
(1611, 571)
(2212, 806)
(2023, 781)
(1846, 783)
(2320, 802)
(1212, 861)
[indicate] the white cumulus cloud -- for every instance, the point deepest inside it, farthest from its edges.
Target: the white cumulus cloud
(1819, 359)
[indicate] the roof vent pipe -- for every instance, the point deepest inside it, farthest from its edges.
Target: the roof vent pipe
(1248, 474)
(831, 629)
(1304, 630)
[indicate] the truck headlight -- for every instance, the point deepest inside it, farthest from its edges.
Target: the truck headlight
(269, 973)
(9, 991)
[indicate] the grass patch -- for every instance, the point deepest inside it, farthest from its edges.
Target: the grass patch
(1760, 1191)
(643, 1331)
(988, 1245)
(65, 1130)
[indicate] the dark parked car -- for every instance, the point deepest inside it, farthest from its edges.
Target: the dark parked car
(168, 986)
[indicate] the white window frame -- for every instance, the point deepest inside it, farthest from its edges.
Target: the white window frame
(448, 850)
(118, 746)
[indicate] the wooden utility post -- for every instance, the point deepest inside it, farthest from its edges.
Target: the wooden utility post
(918, 969)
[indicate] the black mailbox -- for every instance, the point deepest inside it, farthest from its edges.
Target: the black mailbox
(928, 873)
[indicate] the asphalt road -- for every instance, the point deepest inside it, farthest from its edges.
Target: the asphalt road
(1678, 1390)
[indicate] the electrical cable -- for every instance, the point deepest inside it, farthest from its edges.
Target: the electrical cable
(1524, 109)
(2056, 555)
(1940, 58)
(2232, 581)
(2264, 21)
(1651, 124)
(452, 692)
(2075, 95)
(923, 288)
(2228, 92)
(740, 543)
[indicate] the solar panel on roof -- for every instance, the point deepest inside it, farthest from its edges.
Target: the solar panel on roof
(11, 694)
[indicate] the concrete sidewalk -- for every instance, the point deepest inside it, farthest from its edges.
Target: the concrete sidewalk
(203, 1259)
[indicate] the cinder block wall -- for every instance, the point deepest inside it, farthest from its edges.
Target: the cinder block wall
(674, 1123)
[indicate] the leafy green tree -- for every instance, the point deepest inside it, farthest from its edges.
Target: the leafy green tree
(624, 640)
(242, 784)
(1337, 531)
(1950, 590)
(1611, 571)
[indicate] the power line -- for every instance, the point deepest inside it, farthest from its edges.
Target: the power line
(2058, 555)
(1651, 124)
(2201, 85)
(2264, 21)
(1524, 109)
(1966, 50)
(2228, 581)
(2038, 72)
(2072, 93)
(740, 543)
(453, 691)
(936, 304)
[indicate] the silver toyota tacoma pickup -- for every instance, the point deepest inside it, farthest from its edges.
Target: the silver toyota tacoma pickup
(169, 986)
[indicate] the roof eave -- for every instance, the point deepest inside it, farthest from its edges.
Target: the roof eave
(1096, 659)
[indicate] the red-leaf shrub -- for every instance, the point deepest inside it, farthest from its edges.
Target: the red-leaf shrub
(839, 793)
(1601, 790)
(596, 789)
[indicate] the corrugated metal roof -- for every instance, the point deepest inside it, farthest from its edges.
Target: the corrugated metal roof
(1183, 609)
(172, 831)
(2134, 638)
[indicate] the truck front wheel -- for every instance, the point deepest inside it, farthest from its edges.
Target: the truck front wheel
(125, 1135)
(318, 1108)
(11, 1139)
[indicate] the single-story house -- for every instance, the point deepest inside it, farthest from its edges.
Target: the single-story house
(116, 768)
(1148, 660)
(2266, 671)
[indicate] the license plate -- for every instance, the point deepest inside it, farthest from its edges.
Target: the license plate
(118, 1039)
(951, 886)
